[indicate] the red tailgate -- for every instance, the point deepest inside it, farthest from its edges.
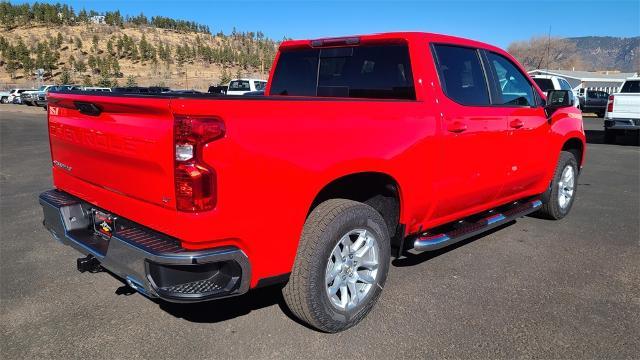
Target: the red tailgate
(120, 143)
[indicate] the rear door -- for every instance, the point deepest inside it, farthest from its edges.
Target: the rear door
(526, 151)
(472, 168)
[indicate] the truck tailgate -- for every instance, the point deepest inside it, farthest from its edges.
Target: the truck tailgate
(626, 105)
(122, 144)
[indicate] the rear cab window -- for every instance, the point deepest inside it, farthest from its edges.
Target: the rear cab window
(239, 85)
(631, 86)
(365, 71)
(544, 84)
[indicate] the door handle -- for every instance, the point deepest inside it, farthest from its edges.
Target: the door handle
(457, 127)
(516, 124)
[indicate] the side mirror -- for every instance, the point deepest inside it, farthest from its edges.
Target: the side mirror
(557, 99)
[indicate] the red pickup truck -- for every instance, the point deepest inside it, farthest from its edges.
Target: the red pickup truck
(361, 149)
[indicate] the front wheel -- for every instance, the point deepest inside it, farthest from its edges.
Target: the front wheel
(562, 191)
(341, 265)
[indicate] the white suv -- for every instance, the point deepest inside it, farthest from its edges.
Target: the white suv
(551, 82)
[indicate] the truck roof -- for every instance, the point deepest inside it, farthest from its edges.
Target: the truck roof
(410, 36)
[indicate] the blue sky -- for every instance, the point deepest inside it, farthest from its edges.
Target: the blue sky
(495, 22)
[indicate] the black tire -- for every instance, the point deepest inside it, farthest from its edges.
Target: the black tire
(551, 208)
(609, 136)
(305, 293)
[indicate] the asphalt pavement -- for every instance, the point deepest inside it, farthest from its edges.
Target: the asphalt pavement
(532, 289)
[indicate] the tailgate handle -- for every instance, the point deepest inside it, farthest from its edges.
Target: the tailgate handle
(88, 108)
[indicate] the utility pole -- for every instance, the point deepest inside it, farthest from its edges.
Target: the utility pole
(548, 46)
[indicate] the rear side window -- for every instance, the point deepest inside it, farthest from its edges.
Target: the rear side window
(239, 85)
(544, 84)
(461, 75)
(374, 72)
(512, 85)
(631, 87)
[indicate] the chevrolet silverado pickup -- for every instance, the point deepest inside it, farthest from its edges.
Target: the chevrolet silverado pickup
(362, 148)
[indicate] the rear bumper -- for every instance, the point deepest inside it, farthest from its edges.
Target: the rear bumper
(622, 124)
(150, 262)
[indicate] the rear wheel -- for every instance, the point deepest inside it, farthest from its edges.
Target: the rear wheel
(341, 265)
(562, 191)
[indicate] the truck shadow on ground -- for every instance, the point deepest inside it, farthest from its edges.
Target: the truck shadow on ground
(225, 309)
(597, 137)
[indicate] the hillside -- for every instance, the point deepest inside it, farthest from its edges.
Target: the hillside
(72, 48)
(590, 53)
(609, 53)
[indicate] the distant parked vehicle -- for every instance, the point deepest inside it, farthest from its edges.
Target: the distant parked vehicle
(594, 101)
(141, 89)
(623, 111)
(4, 96)
(37, 97)
(219, 89)
(551, 82)
(242, 86)
(14, 96)
(41, 99)
(29, 97)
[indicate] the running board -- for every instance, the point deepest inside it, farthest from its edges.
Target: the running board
(452, 233)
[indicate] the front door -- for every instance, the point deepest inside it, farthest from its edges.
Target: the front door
(527, 151)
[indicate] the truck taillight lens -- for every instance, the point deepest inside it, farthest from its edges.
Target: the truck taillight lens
(610, 104)
(195, 182)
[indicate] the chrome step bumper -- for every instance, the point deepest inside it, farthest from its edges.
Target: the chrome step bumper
(452, 233)
(152, 263)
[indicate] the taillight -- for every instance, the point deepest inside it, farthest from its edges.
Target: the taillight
(610, 104)
(195, 182)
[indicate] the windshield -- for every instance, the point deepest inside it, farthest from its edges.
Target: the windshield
(239, 85)
(544, 84)
(632, 86)
(41, 88)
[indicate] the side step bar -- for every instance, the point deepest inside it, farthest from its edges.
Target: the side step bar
(464, 229)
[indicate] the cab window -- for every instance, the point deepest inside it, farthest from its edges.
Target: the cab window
(511, 84)
(461, 75)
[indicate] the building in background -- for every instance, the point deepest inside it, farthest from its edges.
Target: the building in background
(608, 81)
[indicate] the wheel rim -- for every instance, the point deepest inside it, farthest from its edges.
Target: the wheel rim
(566, 186)
(352, 269)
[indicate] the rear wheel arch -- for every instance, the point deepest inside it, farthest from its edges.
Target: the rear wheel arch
(376, 189)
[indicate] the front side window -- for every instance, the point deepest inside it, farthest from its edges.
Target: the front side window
(461, 76)
(260, 85)
(564, 85)
(367, 71)
(513, 87)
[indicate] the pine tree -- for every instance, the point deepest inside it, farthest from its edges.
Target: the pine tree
(131, 81)
(65, 77)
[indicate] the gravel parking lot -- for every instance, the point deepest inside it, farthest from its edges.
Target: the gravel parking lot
(532, 289)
